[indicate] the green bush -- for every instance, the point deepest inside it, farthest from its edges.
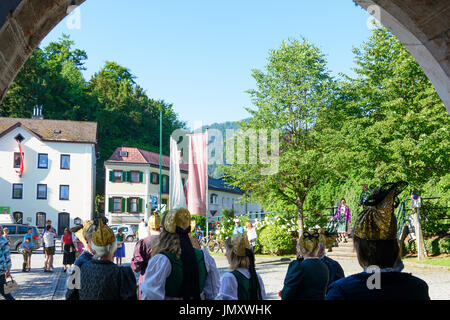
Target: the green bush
(444, 245)
(275, 240)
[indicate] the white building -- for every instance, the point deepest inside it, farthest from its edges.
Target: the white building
(58, 179)
(224, 197)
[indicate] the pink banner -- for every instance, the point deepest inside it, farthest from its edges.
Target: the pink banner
(198, 176)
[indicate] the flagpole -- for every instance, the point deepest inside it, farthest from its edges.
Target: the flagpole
(160, 157)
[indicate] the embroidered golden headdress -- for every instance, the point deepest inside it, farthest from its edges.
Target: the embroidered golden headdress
(81, 230)
(327, 238)
(103, 235)
(176, 218)
(309, 240)
(377, 220)
(154, 221)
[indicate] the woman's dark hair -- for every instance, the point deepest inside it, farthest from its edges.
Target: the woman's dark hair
(381, 253)
(343, 199)
(255, 289)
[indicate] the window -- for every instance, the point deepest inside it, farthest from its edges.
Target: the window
(117, 176)
(41, 192)
(213, 198)
(22, 229)
(63, 192)
(12, 229)
(133, 205)
(42, 161)
(154, 178)
(165, 184)
(40, 219)
(17, 159)
(134, 176)
(117, 205)
(18, 217)
(17, 191)
(65, 162)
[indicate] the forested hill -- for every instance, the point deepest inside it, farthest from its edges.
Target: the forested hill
(213, 169)
(52, 77)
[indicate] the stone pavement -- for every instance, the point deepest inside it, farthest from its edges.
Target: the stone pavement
(38, 285)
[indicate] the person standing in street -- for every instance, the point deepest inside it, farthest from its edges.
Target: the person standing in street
(237, 227)
(49, 241)
(143, 249)
(48, 223)
(68, 248)
(27, 251)
(5, 265)
(120, 252)
(142, 230)
(365, 193)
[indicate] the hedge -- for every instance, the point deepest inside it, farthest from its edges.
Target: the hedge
(276, 241)
(433, 246)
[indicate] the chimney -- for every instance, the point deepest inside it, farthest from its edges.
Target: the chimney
(37, 113)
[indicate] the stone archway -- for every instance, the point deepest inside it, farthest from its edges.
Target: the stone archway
(423, 26)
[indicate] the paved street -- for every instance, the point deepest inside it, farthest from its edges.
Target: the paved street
(37, 285)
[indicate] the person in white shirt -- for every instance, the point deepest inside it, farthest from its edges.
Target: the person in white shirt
(251, 234)
(242, 283)
(49, 241)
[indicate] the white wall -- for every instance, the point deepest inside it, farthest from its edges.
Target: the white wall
(80, 178)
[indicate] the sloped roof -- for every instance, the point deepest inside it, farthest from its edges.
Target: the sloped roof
(136, 155)
(53, 130)
(221, 185)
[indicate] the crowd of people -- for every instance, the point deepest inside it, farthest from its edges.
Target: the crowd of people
(172, 265)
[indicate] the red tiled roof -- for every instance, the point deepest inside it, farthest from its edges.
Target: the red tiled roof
(136, 155)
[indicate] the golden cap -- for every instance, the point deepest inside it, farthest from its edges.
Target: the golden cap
(309, 240)
(103, 235)
(177, 218)
(377, 220)
(154, 221)
(239, 242)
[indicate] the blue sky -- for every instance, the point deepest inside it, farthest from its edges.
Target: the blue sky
(199, 54)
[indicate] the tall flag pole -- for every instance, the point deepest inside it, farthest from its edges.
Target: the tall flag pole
(160, 157)
(207, 186)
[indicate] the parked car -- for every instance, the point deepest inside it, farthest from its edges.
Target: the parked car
(130, 235)
(17, 233)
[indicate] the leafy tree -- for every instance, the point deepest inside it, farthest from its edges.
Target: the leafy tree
(290, 95)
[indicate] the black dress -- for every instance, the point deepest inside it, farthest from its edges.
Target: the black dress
(104, 280)
(69, 257)
(305, 280)
(393, 286)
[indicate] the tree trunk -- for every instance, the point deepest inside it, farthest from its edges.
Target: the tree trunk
(300, 217)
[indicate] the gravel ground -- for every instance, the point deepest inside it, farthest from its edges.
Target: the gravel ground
(37, 285)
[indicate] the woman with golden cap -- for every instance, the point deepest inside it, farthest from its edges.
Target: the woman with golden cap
(242, 283)
(143, 249)
(84, 234)
(177, 270)
(377, 249)
(307, 277)
(100, 278)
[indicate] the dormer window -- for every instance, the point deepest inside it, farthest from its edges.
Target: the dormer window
(123, 153)
(19, 138)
